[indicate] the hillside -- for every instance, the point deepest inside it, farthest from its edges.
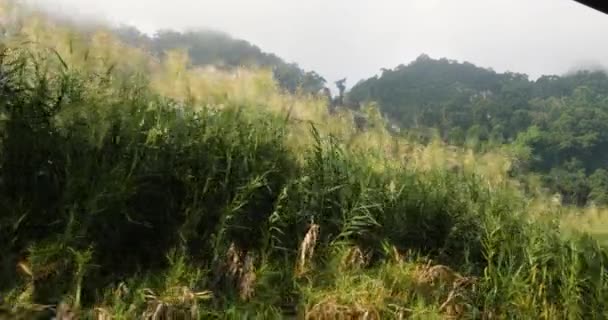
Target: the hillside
(139, 188)
(559, 122)
(207, 47)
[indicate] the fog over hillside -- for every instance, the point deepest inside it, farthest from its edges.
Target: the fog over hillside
(354, 39)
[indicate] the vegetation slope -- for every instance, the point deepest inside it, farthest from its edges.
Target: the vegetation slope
(133, 187)
(557, 123)
(214, 48)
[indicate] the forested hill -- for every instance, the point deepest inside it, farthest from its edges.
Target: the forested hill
(413, 94)
(208, 47)
(562, 121)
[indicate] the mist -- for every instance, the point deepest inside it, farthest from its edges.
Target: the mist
(354, 39)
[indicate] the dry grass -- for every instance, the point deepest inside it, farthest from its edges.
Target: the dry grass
(396, 289)
(593, 220)
(175, 303)
(330, 308)
(241, 271)
(354, 259)
(363, 300)
(306, 250)
(439, 282)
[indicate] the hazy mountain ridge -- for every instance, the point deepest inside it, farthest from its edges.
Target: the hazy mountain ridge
(211, 47)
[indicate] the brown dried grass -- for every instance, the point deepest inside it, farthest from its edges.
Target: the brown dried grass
(354, 258)
(439, 282)
(331, 308)
(241, 271)
(306, 250)
(176, 303)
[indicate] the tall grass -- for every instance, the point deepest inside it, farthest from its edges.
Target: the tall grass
(133, 188)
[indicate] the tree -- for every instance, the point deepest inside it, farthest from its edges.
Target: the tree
(598, 183)
(341, 84)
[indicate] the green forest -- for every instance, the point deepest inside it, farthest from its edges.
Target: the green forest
(557, 123)
(190, 175)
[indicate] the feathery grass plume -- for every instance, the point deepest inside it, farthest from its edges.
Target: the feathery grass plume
(247, 278)
(306, 249)
(102, 314)
(233, 260)
(354, 258)
(241, 270)
(441, 283)
(176, 296)
(65, 312)
(176, 303)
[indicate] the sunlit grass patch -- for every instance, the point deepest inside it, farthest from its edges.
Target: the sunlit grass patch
(592, 220)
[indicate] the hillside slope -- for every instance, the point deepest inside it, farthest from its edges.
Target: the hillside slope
(559, 122)
(214, 48)
(133, 188)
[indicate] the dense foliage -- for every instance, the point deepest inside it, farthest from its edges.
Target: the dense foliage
(559, 120)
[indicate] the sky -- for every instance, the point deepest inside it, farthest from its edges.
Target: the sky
(356, 38)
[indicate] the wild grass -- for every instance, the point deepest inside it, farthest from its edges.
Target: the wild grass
(133, 188)
(592, 220)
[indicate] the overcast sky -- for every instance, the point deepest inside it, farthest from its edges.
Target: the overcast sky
(355, 38)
